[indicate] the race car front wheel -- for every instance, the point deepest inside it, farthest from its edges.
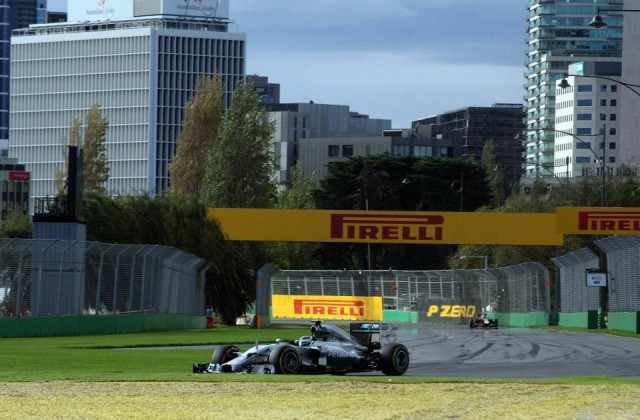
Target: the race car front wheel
(286, 359)
(394, 359)
(223, 354)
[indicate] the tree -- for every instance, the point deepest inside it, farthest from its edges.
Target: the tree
(239, 165)
(299, 195)
(16, 225)
(181, 223)
(494, 173)
(203, 117)
(406, 184)
(96, 168)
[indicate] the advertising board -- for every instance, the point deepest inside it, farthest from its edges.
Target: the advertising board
(335, 308)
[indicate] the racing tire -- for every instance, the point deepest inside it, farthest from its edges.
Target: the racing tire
(286, 360)
(224, 354)
(394, 359)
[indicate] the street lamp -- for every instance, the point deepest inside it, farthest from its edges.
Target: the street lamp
(598, 22)
(564, 83)
(588, 145)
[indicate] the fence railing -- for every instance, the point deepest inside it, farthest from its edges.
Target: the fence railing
(53, 278)
(623, 267)
(575, 296)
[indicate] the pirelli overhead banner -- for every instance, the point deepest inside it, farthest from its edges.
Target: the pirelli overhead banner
(335, 308)
(424, 228)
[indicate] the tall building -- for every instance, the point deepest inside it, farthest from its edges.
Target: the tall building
(141, 70)
(13, 14)
(467, 130)
(56, 17)
(630, 120)
(298, 123)
(588, 109)
(558, 35)
(268, 92)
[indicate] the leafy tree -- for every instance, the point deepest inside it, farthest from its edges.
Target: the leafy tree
(239, 166)
(299, 195)
(96, 168)
(16, 225)
(181, 223)
(494, 173)
(407, 184)
(203, 117)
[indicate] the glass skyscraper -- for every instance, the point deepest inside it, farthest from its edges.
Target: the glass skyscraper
(558, 35)
(13, 14)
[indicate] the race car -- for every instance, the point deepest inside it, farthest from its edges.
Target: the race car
(327, 350)
(483, 320)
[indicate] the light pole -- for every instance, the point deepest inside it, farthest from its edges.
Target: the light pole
(588, 145)
(598, 22)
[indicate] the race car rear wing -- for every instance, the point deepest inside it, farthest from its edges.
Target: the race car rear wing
(372, 334)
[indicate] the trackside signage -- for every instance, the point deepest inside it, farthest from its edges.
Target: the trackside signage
(599, 221)
(416, 228)
(336, 308)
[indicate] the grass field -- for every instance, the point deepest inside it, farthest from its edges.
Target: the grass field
(120, 376)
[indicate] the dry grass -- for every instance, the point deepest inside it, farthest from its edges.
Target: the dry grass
(314, 400)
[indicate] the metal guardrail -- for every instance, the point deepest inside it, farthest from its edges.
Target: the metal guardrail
(54, 278)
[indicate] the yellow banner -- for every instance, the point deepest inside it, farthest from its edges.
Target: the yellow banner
(336, 308)
(388, 227)
(599, 221)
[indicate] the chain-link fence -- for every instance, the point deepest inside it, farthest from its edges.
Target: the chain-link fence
(52, 278)
(575, 296)
(623, 266)
(522, 288)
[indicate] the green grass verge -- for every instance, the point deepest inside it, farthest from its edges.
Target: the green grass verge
(596, 331)
(126, 358)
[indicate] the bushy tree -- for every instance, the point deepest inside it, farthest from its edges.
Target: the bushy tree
(16, 225)
(95, 166)
(203, 117)
(183, 224)
(239, 165)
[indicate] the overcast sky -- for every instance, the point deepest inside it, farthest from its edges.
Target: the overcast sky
(397, 59)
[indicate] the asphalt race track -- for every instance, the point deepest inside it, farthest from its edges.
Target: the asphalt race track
(518, 353)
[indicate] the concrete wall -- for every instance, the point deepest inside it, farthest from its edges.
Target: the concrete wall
(579, 319)
(624, 321)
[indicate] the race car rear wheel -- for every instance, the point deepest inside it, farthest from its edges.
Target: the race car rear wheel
(394, 359)
(223, 354)
(286, 360)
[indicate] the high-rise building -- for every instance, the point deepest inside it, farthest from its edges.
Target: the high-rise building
(630, 120)
(588, 109)
(559, 34)
(141, 70)
(296, 123)
(467, 130)
(268, 92)
(13, 14)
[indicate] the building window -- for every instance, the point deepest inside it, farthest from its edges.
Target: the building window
(612, 146)
(614, 102)
(612, 159)
(603, 102)
(347, 150)
(603, 88)
(334, 151)
(584, 117)
(583, 145)
(614, 88)
(613, 131)
(613, 117)
(583, 131)
(585, 102)
(585, 88)
(583, 159)
(603, 117)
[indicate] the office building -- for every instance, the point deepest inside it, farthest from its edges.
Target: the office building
(268, 92)
(13, 14)
(141, 70)
(588, 109)
(14, 188)
(298, 123)
(559, 34)
(56, 17)
(316, 154)
(467, 130)
(630, 118)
